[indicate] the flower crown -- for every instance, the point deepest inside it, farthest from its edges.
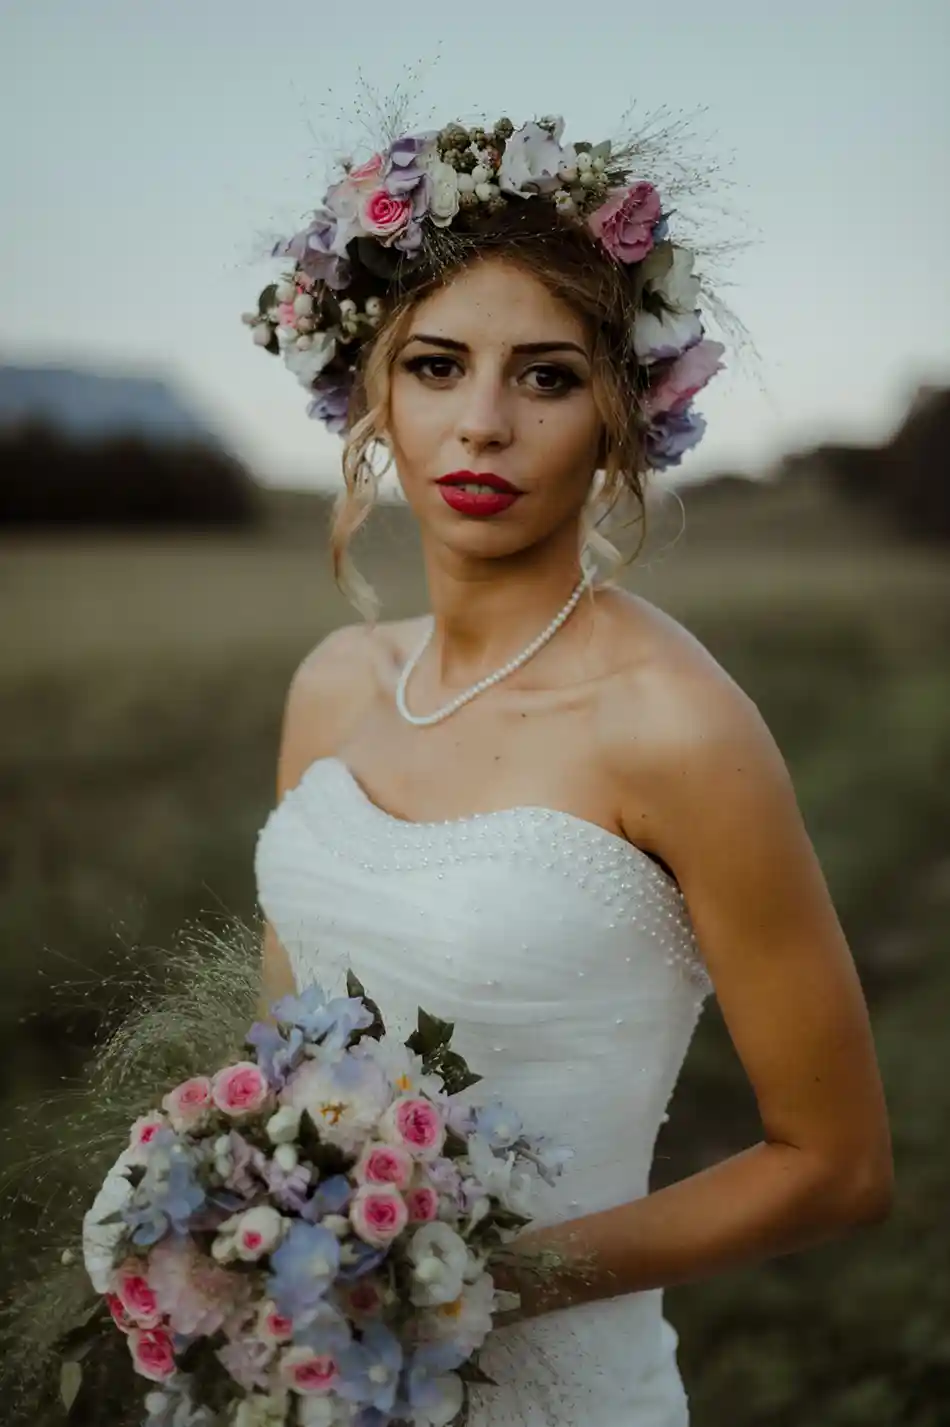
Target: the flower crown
(377, 222)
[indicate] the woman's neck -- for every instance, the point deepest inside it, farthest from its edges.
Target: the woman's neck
(486, 612)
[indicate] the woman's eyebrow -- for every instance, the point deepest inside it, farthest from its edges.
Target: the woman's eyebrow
(523, 347)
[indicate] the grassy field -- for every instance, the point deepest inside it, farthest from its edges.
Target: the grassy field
(142, 681)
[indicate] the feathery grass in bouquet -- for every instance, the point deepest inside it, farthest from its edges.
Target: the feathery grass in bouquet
(306, 1236)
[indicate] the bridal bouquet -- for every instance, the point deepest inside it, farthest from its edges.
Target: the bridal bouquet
(306, 1236)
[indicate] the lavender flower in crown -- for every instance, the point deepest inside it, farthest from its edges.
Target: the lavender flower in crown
(372, 227)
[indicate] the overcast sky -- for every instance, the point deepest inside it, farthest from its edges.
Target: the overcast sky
(151, 148)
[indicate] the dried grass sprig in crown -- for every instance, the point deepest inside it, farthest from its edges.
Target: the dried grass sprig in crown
(419, 203)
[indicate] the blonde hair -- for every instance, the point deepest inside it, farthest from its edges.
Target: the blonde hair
(573, 268)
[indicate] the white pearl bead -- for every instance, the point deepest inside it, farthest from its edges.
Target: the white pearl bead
(426, 720)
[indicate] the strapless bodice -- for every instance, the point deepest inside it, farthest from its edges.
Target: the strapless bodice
(565, 957)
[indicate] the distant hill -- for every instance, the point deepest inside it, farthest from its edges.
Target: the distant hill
(89, 405)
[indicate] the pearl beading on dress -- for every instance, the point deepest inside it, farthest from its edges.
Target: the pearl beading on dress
(627, 884)
(466, 696)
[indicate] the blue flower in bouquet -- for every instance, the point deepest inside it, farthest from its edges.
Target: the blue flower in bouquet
(287, 1187)
(369, 1370)
(431, 1385)
(358, 1259)
(327, 1023)
(326, 1331)
(500, 1126)
(277, 1054)
(550, 1158)
(371, 1417)
(168, 1195)
(330, 1197)
(303, 1267)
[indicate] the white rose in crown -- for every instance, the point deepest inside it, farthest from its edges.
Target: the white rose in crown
(443, 194)
(533, 155)
(308, 361)
(668, 274)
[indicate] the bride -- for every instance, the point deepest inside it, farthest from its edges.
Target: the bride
(543, 810)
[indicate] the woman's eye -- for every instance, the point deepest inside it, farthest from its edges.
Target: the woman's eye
(438, 368)
(551, 379)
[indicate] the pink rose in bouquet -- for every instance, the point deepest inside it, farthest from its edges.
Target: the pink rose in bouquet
(136, 1295)
(152, 1353)
(416, 1125)
(240, 1089)
(187, 1106)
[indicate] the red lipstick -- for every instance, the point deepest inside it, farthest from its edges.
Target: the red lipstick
(478, 493)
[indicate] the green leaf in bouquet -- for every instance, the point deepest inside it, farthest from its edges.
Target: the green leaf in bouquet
(75, 1343)
(508, 1219)
(382, 262)
(455, 1146)
(267, 299)
(328, 1159)
(376, 1031)
(470, 1372)
(430, 1034)
(601, 150)
(354, 986)
(455, 1073)
(70, 1381)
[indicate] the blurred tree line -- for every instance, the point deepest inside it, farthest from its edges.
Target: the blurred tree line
(905, 480)
(49, 479)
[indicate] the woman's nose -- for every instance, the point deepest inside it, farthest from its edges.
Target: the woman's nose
(484, 418)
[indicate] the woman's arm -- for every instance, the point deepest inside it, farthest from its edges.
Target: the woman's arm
(709, 792)
(328, 689)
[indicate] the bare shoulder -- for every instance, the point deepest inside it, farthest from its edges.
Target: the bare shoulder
(334, 684)
(675, 726)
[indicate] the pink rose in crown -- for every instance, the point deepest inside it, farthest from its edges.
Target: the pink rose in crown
(385, 216)
(136, 1295)
(415, 1124)
(688, 375)
(240, 1089)
(304, 1371)
(423, 1204)
(366, 172)
(188, 1105)
(385, 1164)
(378, 1214)
(152, 1353)
(286, 316)
(625, 222)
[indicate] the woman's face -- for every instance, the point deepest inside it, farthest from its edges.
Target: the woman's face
(491, 384)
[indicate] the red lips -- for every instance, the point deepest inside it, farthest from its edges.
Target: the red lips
(480, 504)
(482, 478)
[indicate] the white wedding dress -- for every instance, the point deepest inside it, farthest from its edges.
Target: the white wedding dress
(566, 960)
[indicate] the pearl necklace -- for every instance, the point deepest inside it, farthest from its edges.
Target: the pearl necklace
(466, 696)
